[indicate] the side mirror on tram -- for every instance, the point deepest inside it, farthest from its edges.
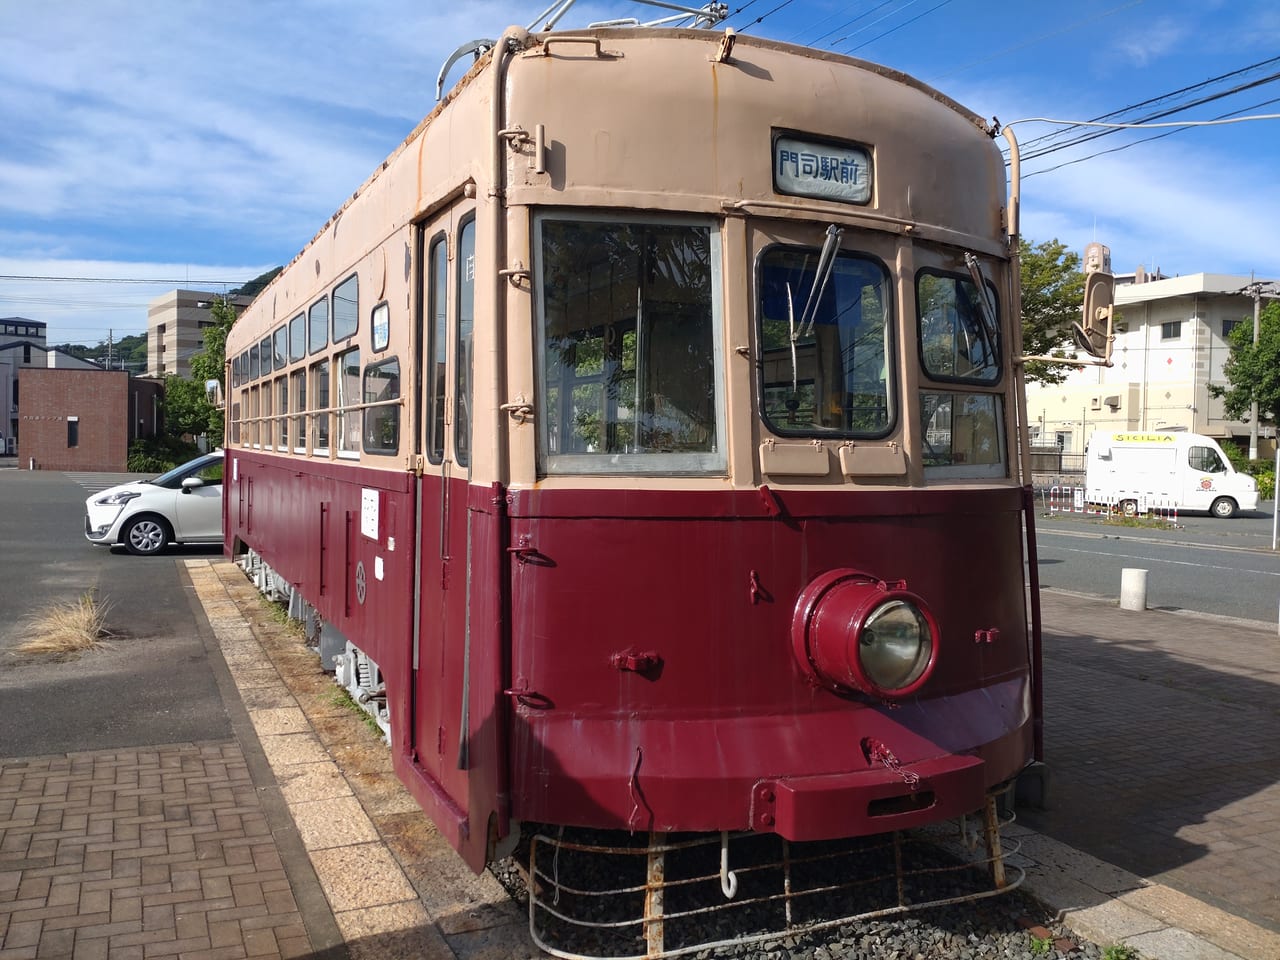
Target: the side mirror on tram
(1094, 335)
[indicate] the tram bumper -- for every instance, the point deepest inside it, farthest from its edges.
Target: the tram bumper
(868, 801)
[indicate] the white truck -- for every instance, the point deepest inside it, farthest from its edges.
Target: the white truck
(1140, 472)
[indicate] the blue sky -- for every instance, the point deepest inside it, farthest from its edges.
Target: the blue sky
(199, 143)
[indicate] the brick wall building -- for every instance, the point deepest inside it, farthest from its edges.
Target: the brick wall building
(84, 419)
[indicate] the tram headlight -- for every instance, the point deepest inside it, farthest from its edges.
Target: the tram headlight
(854, 632)
(895, 645)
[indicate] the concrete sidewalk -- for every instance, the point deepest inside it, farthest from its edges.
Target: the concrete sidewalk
(296, 839)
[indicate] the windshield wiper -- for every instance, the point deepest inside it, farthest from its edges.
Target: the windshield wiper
(984, 305)
(826, 262)
(809, 315)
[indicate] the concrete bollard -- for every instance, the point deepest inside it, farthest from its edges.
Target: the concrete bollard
(1133, 589)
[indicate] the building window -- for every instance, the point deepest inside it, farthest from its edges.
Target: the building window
(73, 431)
(1171, 330)
(26, 353)
(1228, 326)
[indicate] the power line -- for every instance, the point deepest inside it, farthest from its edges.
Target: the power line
(1152, 101)
(1177, 128)
(181, 283)
(901, 25)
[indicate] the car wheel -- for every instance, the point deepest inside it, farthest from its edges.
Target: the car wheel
(1224, 508)
(146, 535)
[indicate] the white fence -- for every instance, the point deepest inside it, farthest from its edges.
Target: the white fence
(1069, 499)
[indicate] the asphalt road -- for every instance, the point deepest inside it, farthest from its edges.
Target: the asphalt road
(1222, 567)
(150, 684)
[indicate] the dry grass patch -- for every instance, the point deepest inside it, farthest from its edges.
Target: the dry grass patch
(66, 628)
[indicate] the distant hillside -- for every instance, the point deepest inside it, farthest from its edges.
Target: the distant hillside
(127, 353)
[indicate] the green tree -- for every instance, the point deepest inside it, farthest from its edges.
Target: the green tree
(1253, 370)
(186, 402)
(187, 410)
(1052, 294)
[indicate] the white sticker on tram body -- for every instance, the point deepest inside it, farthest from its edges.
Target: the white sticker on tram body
(377, 568)
(369, 513)
(825, 171)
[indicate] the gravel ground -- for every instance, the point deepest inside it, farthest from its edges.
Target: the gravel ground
(1010, 926)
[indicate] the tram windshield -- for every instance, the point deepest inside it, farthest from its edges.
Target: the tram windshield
(630, 347)
(829, 376)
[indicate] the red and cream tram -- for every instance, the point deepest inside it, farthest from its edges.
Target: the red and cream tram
(645, 431)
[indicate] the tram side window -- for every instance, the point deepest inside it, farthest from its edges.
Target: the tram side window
(826, 366)
(280, 347)
(346, 308)
(963, 434)
(958, 339)
(347, 401)
(318, 325)
(268, 427)
(264, 351)
(282, 408)
(630, 356)
(254, 423)
(236, 409)
(320, 404)
(298, 337)
(382, 423)
(253, 362)
(466, 318)
(299, 378)
(438, 305)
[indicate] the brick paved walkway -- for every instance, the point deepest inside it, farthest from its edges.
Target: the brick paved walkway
(124, 854)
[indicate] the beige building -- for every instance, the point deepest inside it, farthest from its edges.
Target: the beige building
(1170, 346)
(175, 329)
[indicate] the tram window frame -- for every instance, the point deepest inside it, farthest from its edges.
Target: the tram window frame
(280, 347)
(267, 396)
(282, 418)
(318, 325)
(264, 355)
(235, 421)
(244, 368)
(464, 334)
(255, 423)
(965, 469)
(669, 448)
(298, 390)
(992, 373)
(376, 419)
(888, 393)
(436, 347)
(350, 317)
(380, 326)
(320, 418)
(346, 393)
(253, 362)
(298, 338)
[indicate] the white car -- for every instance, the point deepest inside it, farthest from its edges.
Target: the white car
(181, 506)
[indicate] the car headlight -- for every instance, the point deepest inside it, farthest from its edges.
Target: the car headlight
(895, 645)
(852, 632)
(117, 499)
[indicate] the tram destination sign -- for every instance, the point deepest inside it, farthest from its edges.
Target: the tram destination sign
(822, 170)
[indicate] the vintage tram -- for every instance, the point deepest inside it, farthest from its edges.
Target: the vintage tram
(643, 440)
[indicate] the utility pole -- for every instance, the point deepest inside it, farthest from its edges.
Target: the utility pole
(1256, 289)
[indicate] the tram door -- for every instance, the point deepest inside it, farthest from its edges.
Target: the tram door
(446, 248)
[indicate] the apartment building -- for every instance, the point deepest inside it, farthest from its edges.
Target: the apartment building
(176, 322)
